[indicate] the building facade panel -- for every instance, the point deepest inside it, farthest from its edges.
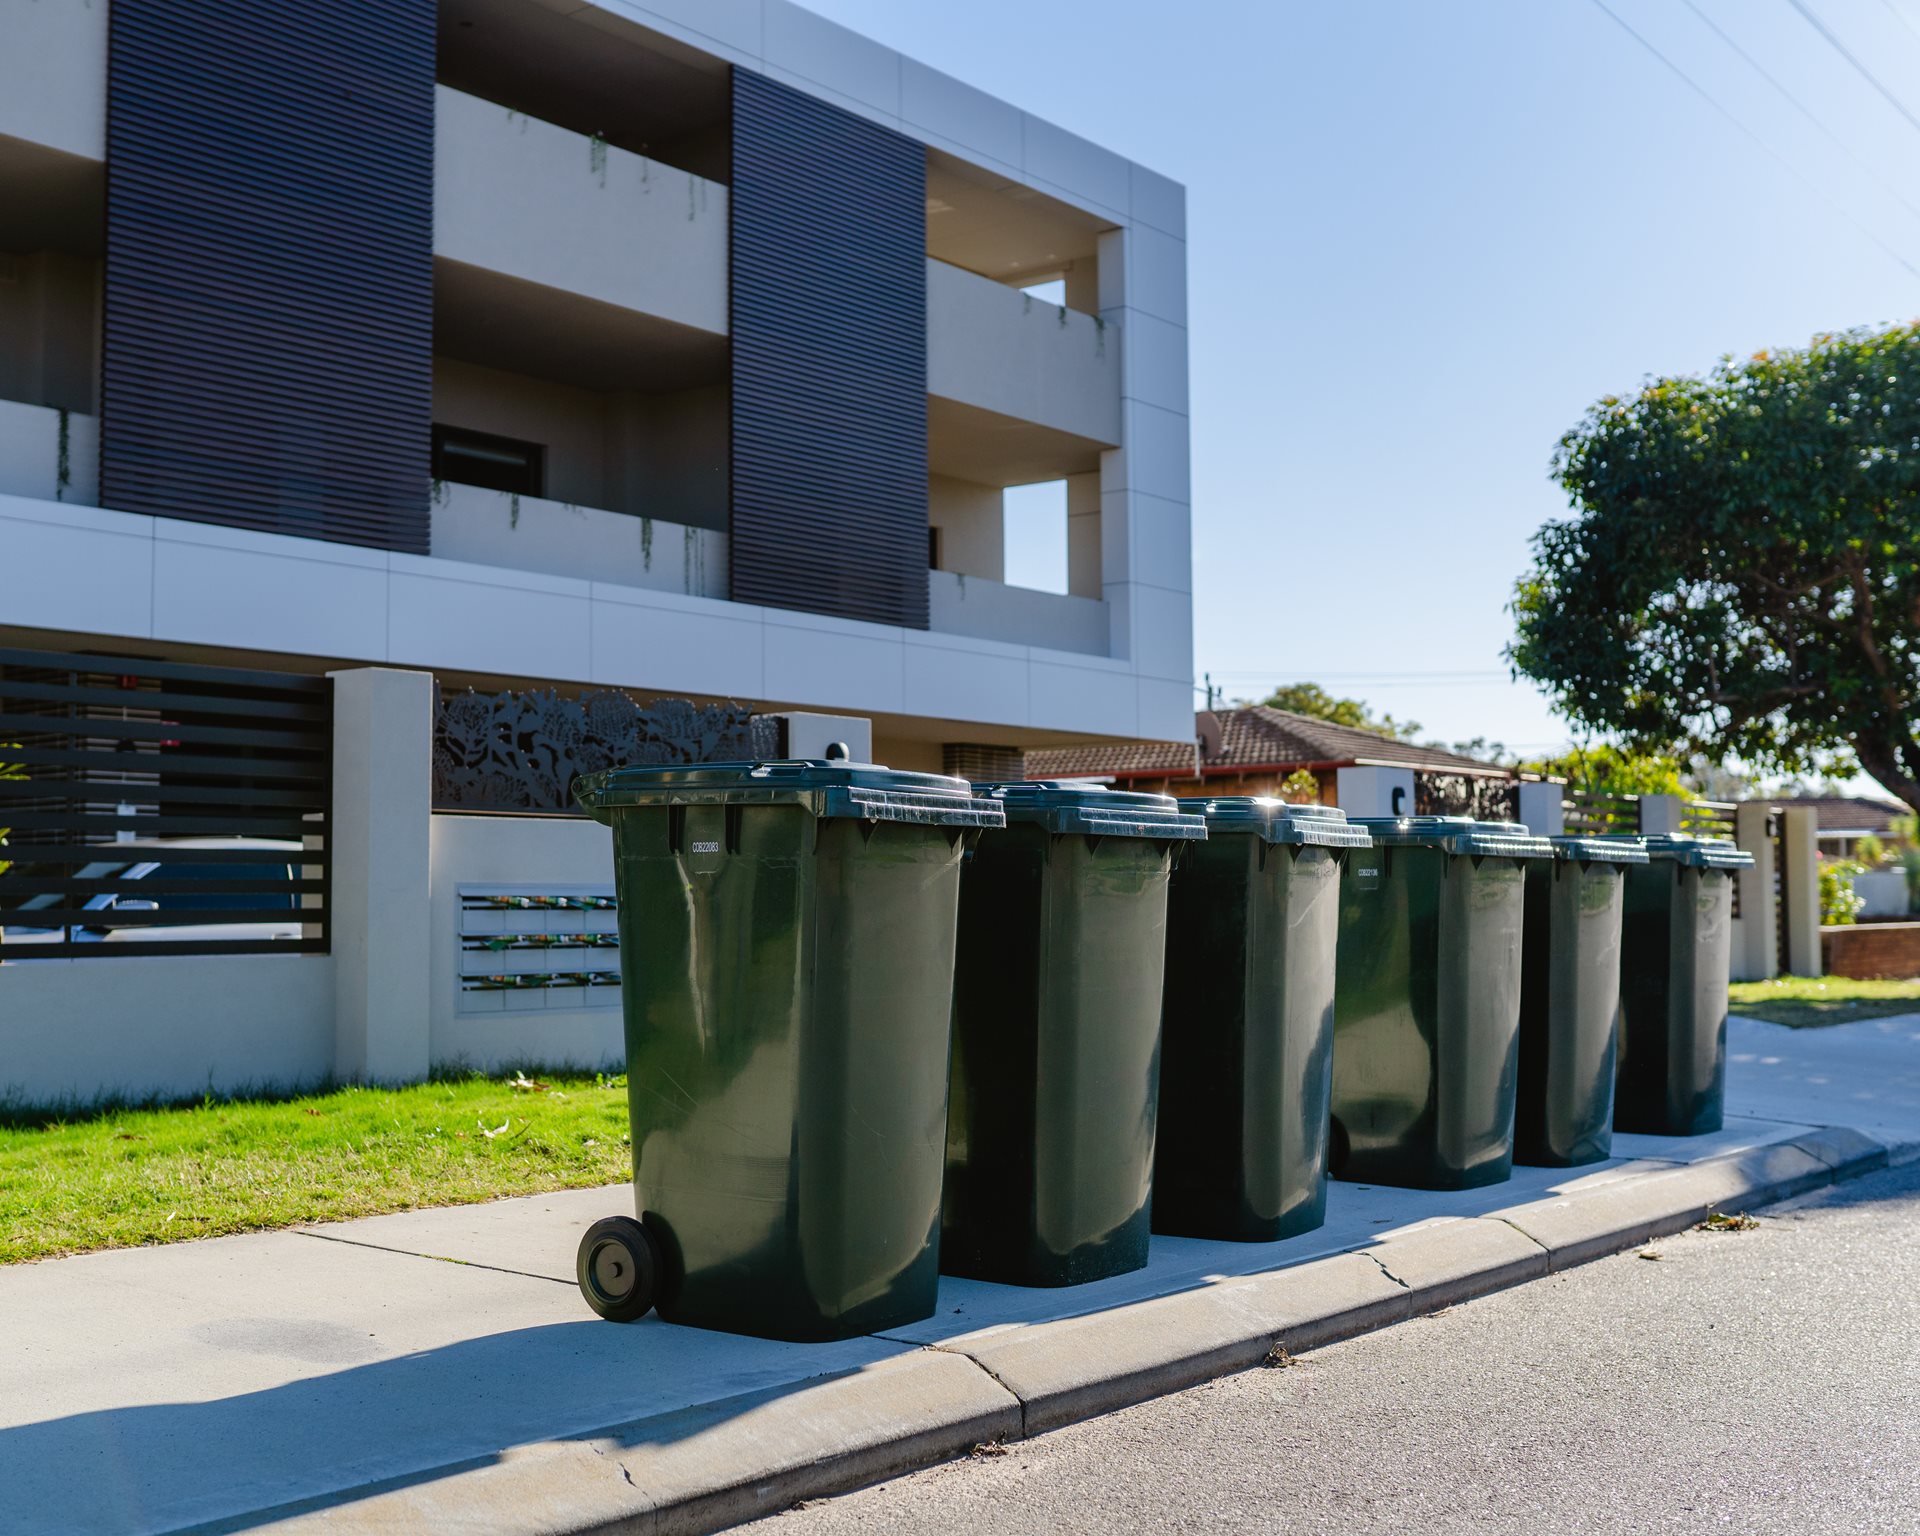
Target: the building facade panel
(829, 366)
(268, 278)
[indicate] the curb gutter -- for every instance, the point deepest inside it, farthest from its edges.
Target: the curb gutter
(701, 1469)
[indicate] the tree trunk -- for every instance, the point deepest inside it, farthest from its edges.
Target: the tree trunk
(1881, 760)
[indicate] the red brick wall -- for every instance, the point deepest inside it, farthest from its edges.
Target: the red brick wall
(1871, 951)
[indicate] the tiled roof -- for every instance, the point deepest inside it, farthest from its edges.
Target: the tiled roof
(1253, 737)
(1838, 813)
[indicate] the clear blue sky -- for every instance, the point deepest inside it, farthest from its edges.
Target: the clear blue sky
(1423, 237)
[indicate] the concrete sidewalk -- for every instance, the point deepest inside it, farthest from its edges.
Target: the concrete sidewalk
(438, 1369)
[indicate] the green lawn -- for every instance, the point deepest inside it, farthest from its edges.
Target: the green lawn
(116, 1179)
(1807, 1002)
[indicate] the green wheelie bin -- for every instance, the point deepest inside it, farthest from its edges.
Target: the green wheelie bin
(1246, 1033)
(1427, 1002)
(786, 952)
(1676, 949)
(1569, 1000)
(1056, 1034)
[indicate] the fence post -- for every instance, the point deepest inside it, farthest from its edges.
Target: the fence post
(1756, 931)
(1375, 791)
(1542, 808)
(1660, 814)
(381, 833)
(1800, 887)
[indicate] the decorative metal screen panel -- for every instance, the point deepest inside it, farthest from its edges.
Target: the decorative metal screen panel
(267, 352)
(538, 947)
(521, 752)
(829, 332)
(149, 807)
(1463, 794)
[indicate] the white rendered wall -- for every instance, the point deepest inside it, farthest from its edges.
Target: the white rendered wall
(518, 196)
(163, 1026)
(53, 74)
(1800, 888)
(514, 850)
(87, 571)
(972, 523)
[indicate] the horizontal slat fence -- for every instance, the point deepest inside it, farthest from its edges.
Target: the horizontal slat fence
(154, 807)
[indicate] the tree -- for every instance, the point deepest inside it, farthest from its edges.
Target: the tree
(1742, 572)
(1312, 699)
(1609, 770)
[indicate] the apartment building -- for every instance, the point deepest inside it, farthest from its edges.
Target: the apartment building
(686, 347)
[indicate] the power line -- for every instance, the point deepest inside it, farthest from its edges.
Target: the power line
(1700, 91)
(1807, 112)
(1847, 53)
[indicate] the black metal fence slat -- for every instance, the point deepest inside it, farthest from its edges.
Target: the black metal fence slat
(109, 764)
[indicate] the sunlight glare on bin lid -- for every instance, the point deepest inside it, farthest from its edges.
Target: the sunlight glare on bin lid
(1093, 809)
(1279, 821)
(1456, 834)
(1700, 852)
(865, 790)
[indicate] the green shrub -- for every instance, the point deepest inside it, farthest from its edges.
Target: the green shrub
(1838, 904)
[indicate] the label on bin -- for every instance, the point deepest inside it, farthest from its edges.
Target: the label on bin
(1366, 876)
(706, 847)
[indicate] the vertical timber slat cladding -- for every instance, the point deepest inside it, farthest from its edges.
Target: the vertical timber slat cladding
(829, 359)
(267, 360)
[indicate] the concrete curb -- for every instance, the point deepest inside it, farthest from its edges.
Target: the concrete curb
(701, 1469)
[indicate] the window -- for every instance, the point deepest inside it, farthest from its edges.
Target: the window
(493, 463)
(933, 549)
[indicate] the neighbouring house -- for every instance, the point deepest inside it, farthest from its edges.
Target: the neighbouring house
(1845, 819)
(642, 366)
(1258, 750)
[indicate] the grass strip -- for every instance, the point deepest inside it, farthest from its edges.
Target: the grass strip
(1810, 1002)
(117, 1178)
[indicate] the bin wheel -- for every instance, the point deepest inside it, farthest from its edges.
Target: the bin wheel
(618, 1269)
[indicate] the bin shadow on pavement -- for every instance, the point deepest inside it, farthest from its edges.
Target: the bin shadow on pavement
(243, 1460)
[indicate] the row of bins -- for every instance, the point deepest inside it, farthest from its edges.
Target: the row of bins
(884, 1025)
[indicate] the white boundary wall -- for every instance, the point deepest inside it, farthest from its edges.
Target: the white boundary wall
(515, 850)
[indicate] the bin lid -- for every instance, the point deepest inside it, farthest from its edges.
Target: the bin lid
(1322, 826)
(1700, 852)
(1093, 809)
(865, 791)
(1456, 834)
(1600, 850)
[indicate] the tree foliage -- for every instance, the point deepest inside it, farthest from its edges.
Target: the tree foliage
(1612, 770)
(1312, 699)
(1742, 572)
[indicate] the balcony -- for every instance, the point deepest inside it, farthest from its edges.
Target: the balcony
(991, 610)
(995, 349)
(557, 538)
(48, 454)
(576, 243)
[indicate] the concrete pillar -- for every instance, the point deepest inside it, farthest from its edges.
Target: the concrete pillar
(1375, 791)
(1543, 809)
(1800, 887)
(809, 736)
(381, 833)
(1660, 815)
(1756, 931)
(1083, 535)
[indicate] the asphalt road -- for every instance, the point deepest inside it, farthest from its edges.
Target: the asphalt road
(1758, 1381)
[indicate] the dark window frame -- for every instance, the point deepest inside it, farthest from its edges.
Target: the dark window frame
(492, 453)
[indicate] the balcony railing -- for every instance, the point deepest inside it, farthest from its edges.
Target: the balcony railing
(557, 538)
(49, 454)
(991, 610)
(520, 197)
